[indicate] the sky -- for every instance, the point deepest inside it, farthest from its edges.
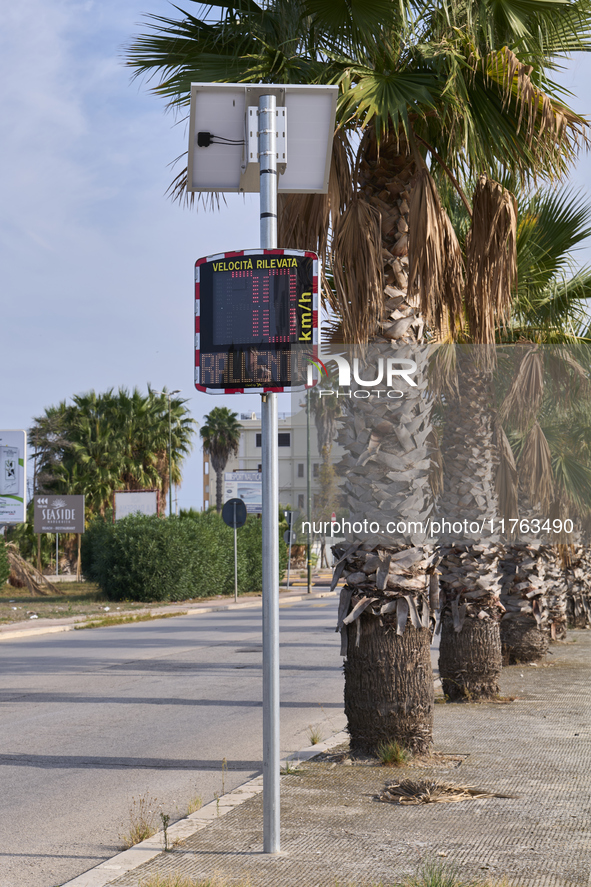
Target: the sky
(96, 261)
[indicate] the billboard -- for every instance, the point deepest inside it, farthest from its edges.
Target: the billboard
(58, 514)
(126, 502)
(245, 485)
(13, 478)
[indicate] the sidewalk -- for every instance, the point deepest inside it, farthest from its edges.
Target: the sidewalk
(334, 832)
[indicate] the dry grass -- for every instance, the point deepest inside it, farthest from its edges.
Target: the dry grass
(108, 621)
(314, 735)
(431, 874)
(83, 599)
(434, 874)
(195, 804)
(143, 812)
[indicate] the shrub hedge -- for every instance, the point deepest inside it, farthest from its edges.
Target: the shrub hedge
(155, 559)
(4, 568)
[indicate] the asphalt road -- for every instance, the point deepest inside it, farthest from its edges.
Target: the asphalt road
(92, 720)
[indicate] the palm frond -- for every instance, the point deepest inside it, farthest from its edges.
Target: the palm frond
(527, 388)
(506, 481)
(535, 467)
(436, 266)
(356, 261)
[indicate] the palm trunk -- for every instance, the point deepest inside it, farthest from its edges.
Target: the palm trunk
(470, 660)
(524, 627)
(219, 496)
(578, 588)
(389, 686)
(388, 675)
(470, 572)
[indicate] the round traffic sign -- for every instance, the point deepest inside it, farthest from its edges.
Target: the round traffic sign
(234, 513)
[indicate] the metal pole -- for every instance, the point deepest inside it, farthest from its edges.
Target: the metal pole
(169, 460)
(309, 471)
(57, 537)
(289, 555)
(235, 559)
(270, 516)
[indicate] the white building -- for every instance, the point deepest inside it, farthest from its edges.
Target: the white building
(293, 455)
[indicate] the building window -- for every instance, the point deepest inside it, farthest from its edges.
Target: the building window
(283, 439)
(206, 468)
(315, 469)
(300, 469)
(301, 500)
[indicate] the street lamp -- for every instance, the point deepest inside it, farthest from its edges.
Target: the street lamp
(169, 394)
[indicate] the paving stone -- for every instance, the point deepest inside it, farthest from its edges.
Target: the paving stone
(334, 832)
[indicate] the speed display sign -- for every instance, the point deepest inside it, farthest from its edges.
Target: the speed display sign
(256, 320)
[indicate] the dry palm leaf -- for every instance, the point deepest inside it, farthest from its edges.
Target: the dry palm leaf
(356, 258)
(564, 553)
(506, 478)
(527, 389)
(436, 267)
(491, 259)
(535, 464)
(443, 371)
(27, 574)
(304, 219)
(553, 130)
(411, 792)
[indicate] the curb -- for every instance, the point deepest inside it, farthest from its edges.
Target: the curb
(53, 629)
(114, 868)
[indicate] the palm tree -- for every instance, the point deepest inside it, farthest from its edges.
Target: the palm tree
(110, 441)
(459, 87)
(179, 426)
(221, 435)
(546, 309)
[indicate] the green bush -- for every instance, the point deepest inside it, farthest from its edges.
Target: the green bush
(4, 568)
(91, 545)
(150, 558)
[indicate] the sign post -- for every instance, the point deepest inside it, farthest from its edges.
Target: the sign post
(234, 515)
(58, 514)
(290, 534)
(13, 480)
(270, 516)
(126, 502)
(229, 137)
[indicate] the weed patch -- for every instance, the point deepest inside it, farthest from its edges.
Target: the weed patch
(195, 804)
(142, 816)
(392, 754)
(314, 735)
(108, 621)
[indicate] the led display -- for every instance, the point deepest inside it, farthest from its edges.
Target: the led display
(256, 320)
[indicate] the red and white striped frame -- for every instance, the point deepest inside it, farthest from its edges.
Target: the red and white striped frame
(253, 252)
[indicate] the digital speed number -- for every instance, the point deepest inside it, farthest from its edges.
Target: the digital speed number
(256, 320)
